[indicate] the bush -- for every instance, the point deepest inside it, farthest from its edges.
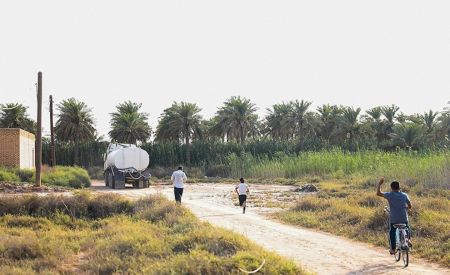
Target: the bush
(96, 172)
(74, 177)
(219, 170)
(7, 175)
(81, 205)
(109, 234)
(25, 175)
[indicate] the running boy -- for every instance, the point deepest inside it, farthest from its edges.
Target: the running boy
(242, 190)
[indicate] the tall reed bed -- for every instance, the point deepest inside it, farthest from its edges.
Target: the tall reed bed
(431, 168)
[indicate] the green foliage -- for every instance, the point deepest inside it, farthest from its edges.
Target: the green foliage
(129, 125)
(90, 153)
(236, 120)
(14, 115)
(75, 121)
(25, 175)
(75, 124)
(8, 175)
(74, 177)
(431, 169)
(109, 234)
(180, 122)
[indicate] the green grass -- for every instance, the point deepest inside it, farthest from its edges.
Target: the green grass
(109, 234)
(431, 168)
(65, 176)
(350, 208)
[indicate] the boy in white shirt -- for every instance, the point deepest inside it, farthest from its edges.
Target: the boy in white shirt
(242, 190)
(178, 179)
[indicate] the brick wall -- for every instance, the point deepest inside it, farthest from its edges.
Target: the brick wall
(10, 147)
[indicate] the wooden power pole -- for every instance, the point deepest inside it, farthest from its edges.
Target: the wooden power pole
(52, 136)
(38, 154)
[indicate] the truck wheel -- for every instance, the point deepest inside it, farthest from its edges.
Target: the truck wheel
(146, 183)
(111, 180)
(136, 184)
(106, 175)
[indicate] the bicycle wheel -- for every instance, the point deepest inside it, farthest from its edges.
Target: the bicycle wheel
(405, 254)
(397, 255)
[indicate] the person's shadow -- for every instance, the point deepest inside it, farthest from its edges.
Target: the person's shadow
(380, 268)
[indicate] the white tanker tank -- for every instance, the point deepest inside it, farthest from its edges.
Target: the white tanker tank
(126, 163)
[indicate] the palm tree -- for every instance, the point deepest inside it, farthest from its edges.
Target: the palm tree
(329, 118)
(443, 129)
(237, 119)
(373, 119)
(14, 115)
(350, 125)
(299, 113)
(279, 122)
(375, 113)
(128, 124)
(181, 121)
(408, 135)
(429, 120)
(75, 124)
(389, 113)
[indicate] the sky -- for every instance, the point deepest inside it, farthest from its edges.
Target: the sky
(355, 53)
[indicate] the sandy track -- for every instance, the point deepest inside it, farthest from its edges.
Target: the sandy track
(319, 252)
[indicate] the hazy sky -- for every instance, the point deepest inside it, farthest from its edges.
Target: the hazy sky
(361, 53)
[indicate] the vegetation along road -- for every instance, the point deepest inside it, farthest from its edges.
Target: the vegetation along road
(319, 252)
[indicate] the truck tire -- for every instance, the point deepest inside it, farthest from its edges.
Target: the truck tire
(146, 183)
(111, 180)
(136, 184)
(106, 175)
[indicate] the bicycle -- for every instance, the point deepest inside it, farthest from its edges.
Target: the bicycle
(402, 247)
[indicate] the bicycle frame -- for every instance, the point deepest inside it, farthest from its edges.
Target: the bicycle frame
(401, 241)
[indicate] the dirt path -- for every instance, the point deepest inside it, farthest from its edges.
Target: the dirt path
(319, 252)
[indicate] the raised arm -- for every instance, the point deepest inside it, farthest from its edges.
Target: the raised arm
(408, 202)
(379, 193)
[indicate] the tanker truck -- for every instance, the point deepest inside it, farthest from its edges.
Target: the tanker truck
(126, 164)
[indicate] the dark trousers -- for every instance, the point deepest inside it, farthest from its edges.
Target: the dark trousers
(392, 234)
(242, 199)
(178, 192)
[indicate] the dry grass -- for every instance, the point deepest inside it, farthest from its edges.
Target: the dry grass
(350, 208)
(109, 234)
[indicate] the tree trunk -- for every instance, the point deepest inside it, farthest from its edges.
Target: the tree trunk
(188, 152)
(300, 135)
(241, 133)
(76, 153)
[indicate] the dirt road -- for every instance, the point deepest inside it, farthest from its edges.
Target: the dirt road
(319, 252)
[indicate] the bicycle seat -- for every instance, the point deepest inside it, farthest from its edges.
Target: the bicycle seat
(400, 225)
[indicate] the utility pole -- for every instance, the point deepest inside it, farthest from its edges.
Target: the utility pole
(52, 136)
(38, 154)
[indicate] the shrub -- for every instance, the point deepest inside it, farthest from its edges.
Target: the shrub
(25, 175)
(8, 175)
(74, 177)
(96, 172)
(219, 170)
(108, 234)
(311, 204)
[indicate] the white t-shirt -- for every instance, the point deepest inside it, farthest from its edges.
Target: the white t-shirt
(178, 178)
(242, 188)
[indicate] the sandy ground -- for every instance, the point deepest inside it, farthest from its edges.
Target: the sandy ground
(316, 251)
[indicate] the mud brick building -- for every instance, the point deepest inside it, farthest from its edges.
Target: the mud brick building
(17, 148)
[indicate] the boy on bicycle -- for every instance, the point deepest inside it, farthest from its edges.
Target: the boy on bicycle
(398, 203)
